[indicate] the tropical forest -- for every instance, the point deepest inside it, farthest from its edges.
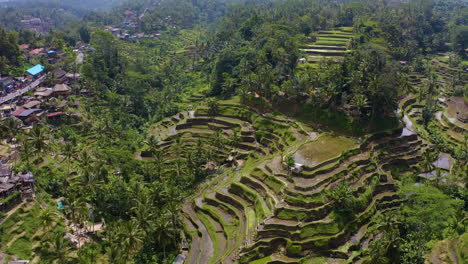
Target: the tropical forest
(233, 131)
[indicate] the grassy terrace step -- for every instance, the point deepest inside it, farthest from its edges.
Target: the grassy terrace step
(252, 197)
(216, 234)
(332, 39)
(269, 197)
(331, 42)
(275, 184)
(323, 47)
(238, 224)
(206, 248)
(384, 193)
(335, 34)
(315, 59)
(340, 32)
(228, 225)
(325, 52)
(307, 182)
(195, 244)
(322, 242)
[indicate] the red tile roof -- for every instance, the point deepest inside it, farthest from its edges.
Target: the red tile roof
(54, 114)
(17, 112)
(35, 51)
(24, 46)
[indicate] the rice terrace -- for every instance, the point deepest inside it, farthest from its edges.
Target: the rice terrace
(231, 131)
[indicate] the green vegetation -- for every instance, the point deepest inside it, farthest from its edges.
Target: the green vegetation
(198, 115)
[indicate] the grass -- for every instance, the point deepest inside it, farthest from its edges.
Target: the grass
(21, 247)
(330, 43)
(262, 260)
(24, 220)
(332, 39)
(324, 148)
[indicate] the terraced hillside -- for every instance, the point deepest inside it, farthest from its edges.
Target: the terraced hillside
(258, 210)
(449, 109)
(329, 44)
(307, 223)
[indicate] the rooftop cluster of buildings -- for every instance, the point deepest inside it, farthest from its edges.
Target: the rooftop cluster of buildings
(126, 31)
(17, 186)
(48, 100)
(37, 24)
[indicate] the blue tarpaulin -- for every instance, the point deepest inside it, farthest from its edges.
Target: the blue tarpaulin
(36, 69)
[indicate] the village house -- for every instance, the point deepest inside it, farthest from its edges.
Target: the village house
(59, 75)
(24, 47)
(61, 90)
(32, 104)
(36, 71)
(72, 77)
(128, 14)
(5, 172)
(36, 52)
(43, 93)
(10, 183)
(80, 45)
(28, 116)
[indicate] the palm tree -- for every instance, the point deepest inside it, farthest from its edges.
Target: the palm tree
(68, 153)
(9, 128)
(26, 151)
(46, 218)
(131, 238)
(78, 210)
(58, 248)
(290, 162)
(143, 212)
(158, 164)
(37, 137)
(229, 85)
(405, 83)
(243, 92)
(152, 144)
(213, 108)
(235, 139)
(428, 159)
(360, 102)
(163, 232)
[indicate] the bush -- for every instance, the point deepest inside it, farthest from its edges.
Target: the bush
(293, 249)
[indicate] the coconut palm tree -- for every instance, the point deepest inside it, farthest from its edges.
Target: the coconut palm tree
(59, 248)
(163, 232)
(37, 137)
(406, 86)
(360, 102)
(235, 139)
(68, 152)
(131, 238)
(290, 162)
(46, 218)
(9, 128)
(144, 212)
(213, 108)
(152, 144)
(428, 159)
(26, 151)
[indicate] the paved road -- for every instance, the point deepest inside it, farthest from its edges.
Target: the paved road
(22, 91)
